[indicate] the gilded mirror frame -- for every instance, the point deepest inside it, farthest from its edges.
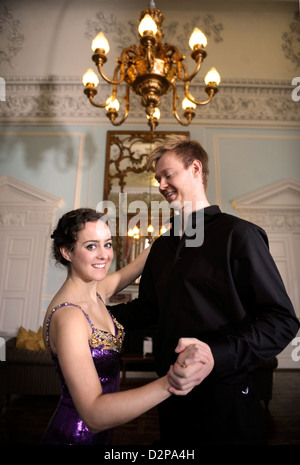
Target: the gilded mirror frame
(126, 172)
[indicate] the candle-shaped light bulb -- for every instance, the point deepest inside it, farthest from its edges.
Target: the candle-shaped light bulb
(136, 233)
(212, 77)
(112, 104)
(156, 113)
(150, 229)
(90, 78)
(186, 103)
(197, 39)
(147, 24)
(101, 42)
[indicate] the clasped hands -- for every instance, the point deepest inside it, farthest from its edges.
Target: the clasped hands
(194, 363)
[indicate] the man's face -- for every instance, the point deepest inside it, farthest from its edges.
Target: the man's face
(176, 183)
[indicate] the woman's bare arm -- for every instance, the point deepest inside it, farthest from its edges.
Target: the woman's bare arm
(115, 282)
(69, 335)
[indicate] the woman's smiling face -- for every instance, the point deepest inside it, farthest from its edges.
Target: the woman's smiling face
(93, 253)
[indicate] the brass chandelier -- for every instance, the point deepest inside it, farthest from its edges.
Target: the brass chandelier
(150, 71)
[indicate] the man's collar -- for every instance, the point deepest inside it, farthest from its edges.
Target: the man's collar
(194, 219)
(212, 210)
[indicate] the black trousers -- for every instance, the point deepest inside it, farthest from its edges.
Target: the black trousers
(223, 414)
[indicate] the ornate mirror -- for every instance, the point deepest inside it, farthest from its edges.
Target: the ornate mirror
(129, 185)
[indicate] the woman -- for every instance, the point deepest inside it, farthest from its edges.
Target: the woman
(85, 340)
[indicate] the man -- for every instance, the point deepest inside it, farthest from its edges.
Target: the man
(223, 293)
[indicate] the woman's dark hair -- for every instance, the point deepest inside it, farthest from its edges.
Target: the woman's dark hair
(66, 232)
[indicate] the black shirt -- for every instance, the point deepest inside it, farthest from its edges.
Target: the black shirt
(226, 292)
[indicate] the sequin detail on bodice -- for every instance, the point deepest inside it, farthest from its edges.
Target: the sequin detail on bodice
(66, 427)
(99, 337)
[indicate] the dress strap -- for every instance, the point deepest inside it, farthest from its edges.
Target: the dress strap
(51, 315)
(99, 297)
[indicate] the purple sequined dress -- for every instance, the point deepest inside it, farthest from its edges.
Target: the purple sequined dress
(65, 427)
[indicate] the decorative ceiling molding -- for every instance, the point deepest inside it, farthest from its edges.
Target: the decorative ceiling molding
(60, 100)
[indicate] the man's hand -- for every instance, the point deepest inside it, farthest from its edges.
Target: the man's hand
(193, 365)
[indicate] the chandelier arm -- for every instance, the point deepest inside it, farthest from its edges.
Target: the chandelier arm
(181, 66)
(175, 112)
(121, 66)
(183, 123)
(149, 58)
(112, 115)
(174, 50)
(113, 81)
(210, 90)
(98, 105)
(125, 53)
(189, 78)
(127, 59)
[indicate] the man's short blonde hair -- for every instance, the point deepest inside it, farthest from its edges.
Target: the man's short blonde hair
(187, 151)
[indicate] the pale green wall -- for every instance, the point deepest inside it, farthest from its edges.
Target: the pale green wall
(241, 160)
(65, 161)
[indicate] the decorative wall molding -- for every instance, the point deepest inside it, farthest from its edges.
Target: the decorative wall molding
(21, 206)
(276, 207)
(60, 100)
(26, 220)
(281, 221)
(281, 194)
